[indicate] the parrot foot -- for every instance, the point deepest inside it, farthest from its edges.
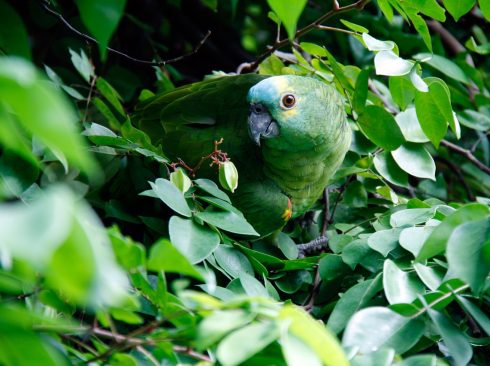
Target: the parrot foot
(313, 246)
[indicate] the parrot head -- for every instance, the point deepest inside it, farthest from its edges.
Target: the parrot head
(291, 112)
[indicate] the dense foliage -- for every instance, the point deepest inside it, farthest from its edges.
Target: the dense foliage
(110, 253)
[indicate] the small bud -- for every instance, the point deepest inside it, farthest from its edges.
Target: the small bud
(180, 180)
(228, 176)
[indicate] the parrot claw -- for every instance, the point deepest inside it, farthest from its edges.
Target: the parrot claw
(314, 246)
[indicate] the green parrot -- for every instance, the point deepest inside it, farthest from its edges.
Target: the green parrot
(287, 135)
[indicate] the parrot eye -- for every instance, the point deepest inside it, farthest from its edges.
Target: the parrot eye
(288, 101)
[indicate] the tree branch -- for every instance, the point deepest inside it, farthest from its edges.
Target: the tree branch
(46, 4)
(336, 9)
(467, 154)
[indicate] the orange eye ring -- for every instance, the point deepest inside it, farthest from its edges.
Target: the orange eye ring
(288, 101)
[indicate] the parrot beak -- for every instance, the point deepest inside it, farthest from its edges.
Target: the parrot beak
(260, 123)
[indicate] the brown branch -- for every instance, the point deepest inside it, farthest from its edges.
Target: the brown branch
(336, 10)
(128, 341)
(467, 154)
(46, 4)
(451, 42)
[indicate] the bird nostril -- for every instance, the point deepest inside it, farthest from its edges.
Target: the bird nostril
(257, 108)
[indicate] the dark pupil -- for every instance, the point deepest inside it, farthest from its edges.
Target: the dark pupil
(288, 100)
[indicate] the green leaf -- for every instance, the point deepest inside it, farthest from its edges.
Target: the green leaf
(354, 299)
(387, 167)
(422, 29)
(314, 334)
(313, 49)
(480, 317)
(364, 332)
(110, 94)
(296, 352)
(219, 323)
(232, 261)
(354, 27)
(468, 252)
(389, 64)
(485, 8)
(195, 242)
(384, 241)
(411, 216)
(380, 127)
(434, 110)
(483, 49)
(410, 126)
(64, 227)
(415, 160)
(430, 8)
(444, 65)
(331, 266)
(374, 44)
(454, 339)
(431, 276)
(420, 360)
(210, 187)
(361, 91)
(82, 65)
(400, 286)
(171, 196)
(386, 8)
(402, 90)
(458, 8)
(101, 19)
(437, 241)
(43, 111)
(165, 257)
(413, 238)
(252, 286)
(289, 13)
(246, 342)
(14, 39)
(228, 221)
(355, 195)
(381, 357)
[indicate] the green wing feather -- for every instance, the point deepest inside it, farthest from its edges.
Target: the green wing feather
(188, 120)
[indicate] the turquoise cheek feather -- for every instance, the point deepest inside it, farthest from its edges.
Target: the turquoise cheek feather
(313, 136)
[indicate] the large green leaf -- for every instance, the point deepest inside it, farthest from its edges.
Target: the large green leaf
(14, 39)
(171, 196)
(380, 127)
(289, 13)
(354, 299)
(228, 221)
(365, 333)
(164, 256)
(246, 342)
(434, 110)
(101, 19)
(458, 8)
(455, 340)
(400, 286)
(415, 160)
(437, 241)
(43, 111)
(468, 252)
(195, 241)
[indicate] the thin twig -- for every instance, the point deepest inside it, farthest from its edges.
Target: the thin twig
(148, 355)
(46, 4)
(438, 300)
(336, 10)
(467, 154)
(334, 29)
